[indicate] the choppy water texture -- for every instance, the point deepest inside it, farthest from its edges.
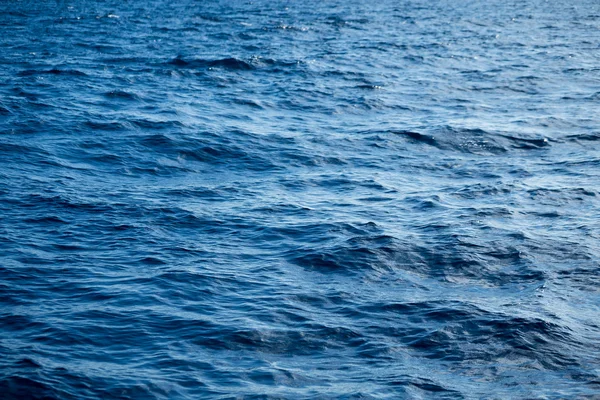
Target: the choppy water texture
(299, 199)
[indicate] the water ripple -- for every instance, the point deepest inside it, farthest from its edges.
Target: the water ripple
(272, 200)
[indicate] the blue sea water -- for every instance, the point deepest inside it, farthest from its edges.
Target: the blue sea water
(299, 199)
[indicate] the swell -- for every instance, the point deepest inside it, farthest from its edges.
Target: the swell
(472, 141)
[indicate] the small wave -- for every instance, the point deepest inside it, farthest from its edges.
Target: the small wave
(105, 126)
(121, 94)
(249, 103)
(65, 202)
(53, 71)
(4, 110)
(356, 255)
(207, 151)
(285, 27)
(124, 60)
(481, 191)
(14, 149)
(527, 143)
(225, 63)
(419, 137)
(311, 338)
(210, 17)
(474, 141)
(53, 219)
(213, 194)
(236, 64)
(369, 87)
(584, 137)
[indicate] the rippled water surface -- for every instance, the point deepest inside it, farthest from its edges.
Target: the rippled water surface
(299, 199)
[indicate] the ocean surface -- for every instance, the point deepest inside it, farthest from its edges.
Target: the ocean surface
(278, 199)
